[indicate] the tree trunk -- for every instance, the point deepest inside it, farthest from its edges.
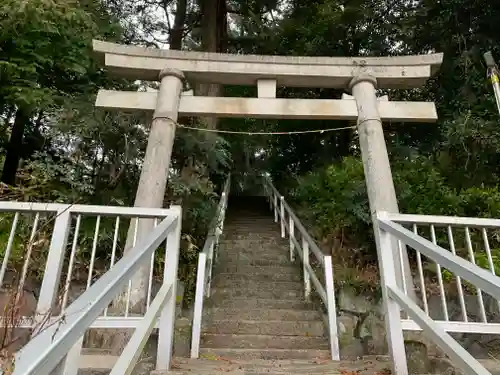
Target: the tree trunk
(14, 147)
(214, 39)
(177, 32)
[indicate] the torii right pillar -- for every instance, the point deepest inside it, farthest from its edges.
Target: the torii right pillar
(377, 168)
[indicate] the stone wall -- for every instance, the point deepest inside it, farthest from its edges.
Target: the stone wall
(362, 328)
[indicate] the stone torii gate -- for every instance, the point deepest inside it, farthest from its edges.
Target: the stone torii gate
(362, 76)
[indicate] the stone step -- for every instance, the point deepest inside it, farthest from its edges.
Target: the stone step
(270, 238)
(250, 218)
(259, 303)
(266, 228)
(246, 261)
(259, 285)
(266, 327)
(246, 241)
(256, 226)
(209, 340)
(252, 231)
(213, 363)
(269, 354)
(281, 255)
(247, 270)
(218, 313)
(96, 358)
(242, 215)
(222, 365)
(220, 293)
(228, 257)
(231, 370)
(225, 293)
(247, 216)
(267, 221)
(221, 371)
(254, 247)
(90, 371)
(96, 362)
(253, 274)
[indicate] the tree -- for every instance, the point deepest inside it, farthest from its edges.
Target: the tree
(45, 58)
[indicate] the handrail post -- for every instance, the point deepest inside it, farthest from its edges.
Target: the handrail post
(268, 192)
(167, 318)
(392, 314)
(50, 286)
(275, 204)
(282, 211)
(291, 225)
(210, 264)
(198, 305)
(331, 308)
(55, 259)
(220, 216)
(307, 278)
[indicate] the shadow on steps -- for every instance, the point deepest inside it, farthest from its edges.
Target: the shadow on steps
(242, 207)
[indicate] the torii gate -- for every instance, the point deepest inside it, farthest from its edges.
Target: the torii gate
(360, 75)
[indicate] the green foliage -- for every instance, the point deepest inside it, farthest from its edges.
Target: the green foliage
(335, 199)
(48, 49)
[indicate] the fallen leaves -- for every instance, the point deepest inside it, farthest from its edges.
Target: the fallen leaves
(384, 371)
(349, 372)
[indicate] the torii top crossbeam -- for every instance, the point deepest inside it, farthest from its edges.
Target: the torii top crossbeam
(292, 71)
(267, 72)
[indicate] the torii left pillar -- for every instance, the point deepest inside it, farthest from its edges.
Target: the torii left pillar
(154, 174)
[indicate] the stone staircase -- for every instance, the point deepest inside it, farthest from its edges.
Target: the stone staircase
(257, 309)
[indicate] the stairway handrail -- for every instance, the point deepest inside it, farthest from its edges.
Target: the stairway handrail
(327, 292)
(303, 231)
(50, 346)
(205, 267)
(388, 226)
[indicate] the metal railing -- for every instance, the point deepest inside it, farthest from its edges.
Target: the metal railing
(205, 268)
(451, 255)
(62, 314)
(289, 222)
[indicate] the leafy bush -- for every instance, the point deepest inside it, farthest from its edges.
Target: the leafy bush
(334, 199)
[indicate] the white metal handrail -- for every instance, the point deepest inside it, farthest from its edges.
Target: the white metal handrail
(327, 291)
(65, 222)
(59, 343)
(142, 212)
(205, 267)
(395, 299)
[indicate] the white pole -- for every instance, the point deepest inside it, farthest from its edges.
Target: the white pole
(493, 75)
